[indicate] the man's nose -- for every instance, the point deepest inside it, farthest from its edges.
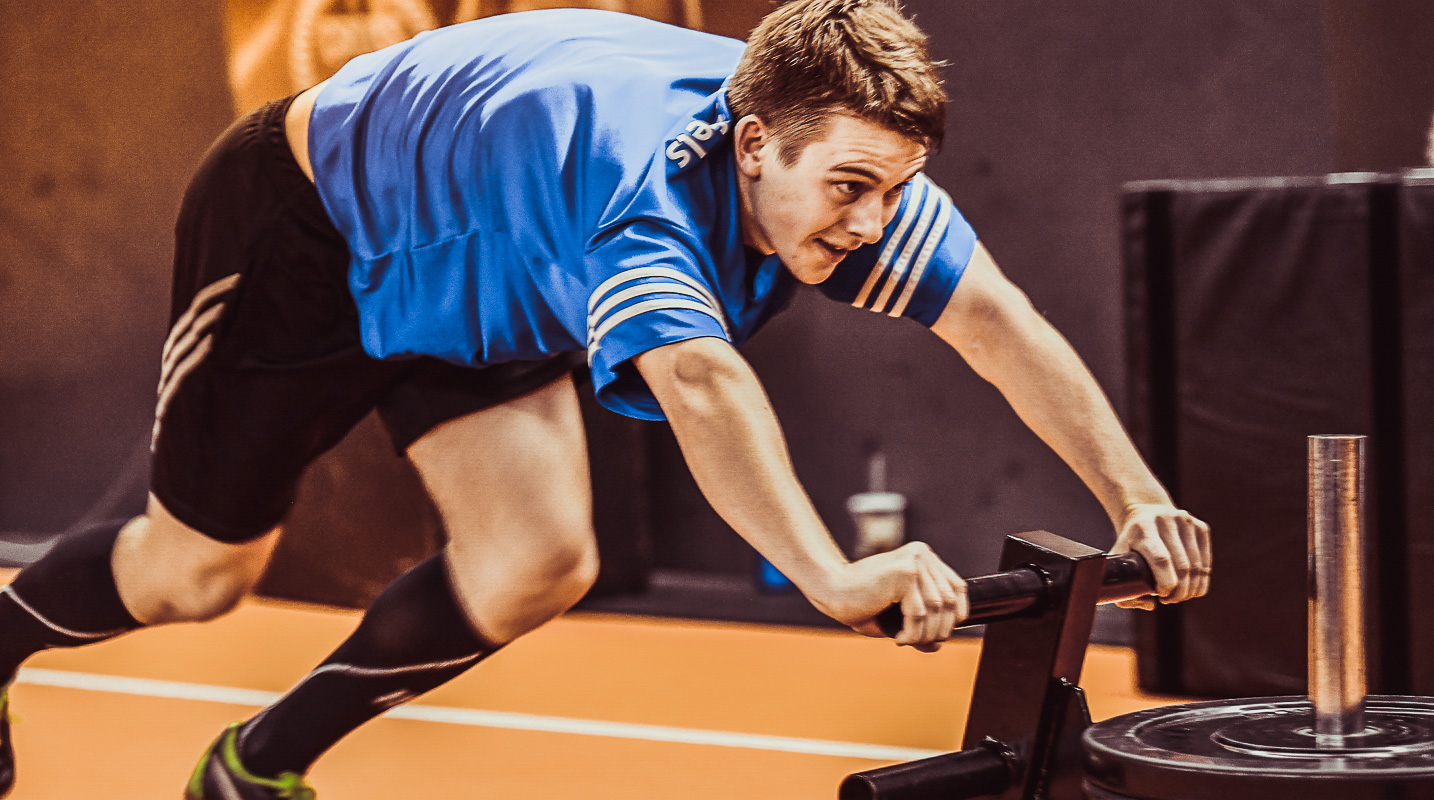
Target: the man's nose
(864, 220)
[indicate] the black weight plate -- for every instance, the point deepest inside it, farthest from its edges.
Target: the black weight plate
(1262, 749)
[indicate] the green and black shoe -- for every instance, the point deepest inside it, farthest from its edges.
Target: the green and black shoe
(220, 776)
(7, 751)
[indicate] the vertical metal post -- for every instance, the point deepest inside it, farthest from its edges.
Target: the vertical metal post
(1336, 586)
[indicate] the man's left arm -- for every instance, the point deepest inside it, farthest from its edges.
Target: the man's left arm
(994, 327)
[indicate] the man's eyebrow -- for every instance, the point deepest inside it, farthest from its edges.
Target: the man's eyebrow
(858, 170)
(912, 176)
(871, 175)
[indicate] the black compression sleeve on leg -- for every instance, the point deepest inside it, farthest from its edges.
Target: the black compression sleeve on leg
(414, 637)
(66, 599)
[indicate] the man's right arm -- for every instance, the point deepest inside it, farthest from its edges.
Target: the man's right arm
(734, 447)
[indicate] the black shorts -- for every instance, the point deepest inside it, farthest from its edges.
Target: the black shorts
(263, 369)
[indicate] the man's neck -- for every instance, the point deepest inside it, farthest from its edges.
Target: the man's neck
(752, 235)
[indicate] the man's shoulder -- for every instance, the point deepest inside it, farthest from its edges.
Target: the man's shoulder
(687, 181)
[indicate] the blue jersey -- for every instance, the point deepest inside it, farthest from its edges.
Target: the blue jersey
(562, 180)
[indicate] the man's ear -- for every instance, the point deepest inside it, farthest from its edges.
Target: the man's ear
(751, 142)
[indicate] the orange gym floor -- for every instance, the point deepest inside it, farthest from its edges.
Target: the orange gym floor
(590, 706)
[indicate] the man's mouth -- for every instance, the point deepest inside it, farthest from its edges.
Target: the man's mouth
(833, 252)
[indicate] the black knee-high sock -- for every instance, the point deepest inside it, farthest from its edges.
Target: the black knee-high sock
(414, 637)
(66, 599)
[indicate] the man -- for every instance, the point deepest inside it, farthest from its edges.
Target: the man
(441, 231)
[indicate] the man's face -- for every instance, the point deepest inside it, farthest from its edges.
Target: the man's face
(838, 195)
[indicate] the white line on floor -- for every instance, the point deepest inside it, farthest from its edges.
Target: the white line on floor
(485, 719)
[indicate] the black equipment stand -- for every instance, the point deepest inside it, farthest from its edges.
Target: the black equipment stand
(1027, 714)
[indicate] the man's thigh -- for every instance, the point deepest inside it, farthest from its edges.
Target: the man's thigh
(512, 479)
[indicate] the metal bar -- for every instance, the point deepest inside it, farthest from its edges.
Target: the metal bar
(978, 772)
(1002, 595)
(1336, 586)
(1127, 577)
(1018, 592)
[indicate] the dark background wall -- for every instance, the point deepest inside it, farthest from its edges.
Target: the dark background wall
(105, 107)
(1382, 73)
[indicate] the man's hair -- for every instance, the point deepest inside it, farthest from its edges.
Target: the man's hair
(811, 58)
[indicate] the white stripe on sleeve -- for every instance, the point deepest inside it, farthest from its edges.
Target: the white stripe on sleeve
(638, 273)
(921, 186)
(606, 310)
(661, 304)
(918, 237)
(620, 297)
(919, 268)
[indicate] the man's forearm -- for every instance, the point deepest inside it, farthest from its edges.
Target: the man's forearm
(1054, 393)
(734, 447)
(993, 326)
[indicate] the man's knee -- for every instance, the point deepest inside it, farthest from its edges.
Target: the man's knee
(560, 567)
(509, 591)
(574, 568)
(207, 595)
(168, 572)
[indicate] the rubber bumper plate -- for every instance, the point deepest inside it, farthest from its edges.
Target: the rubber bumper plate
(1262, 749)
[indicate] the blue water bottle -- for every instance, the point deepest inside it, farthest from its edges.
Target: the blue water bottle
(770, 580)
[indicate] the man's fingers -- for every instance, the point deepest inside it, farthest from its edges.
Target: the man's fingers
(933, 602)
(1206, 553)
(1162, 566)
(1190, 541)
(963, 601)
(943, 608)
(931, 596)
(953, 590)
(1176, 546)
(930, 605)
(1172, 531)
(1179, 562)
(913, 613)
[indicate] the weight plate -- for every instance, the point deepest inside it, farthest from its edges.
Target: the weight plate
(1262, 749)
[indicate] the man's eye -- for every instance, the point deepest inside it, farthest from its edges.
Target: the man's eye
(848, 187)
(895, 191)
